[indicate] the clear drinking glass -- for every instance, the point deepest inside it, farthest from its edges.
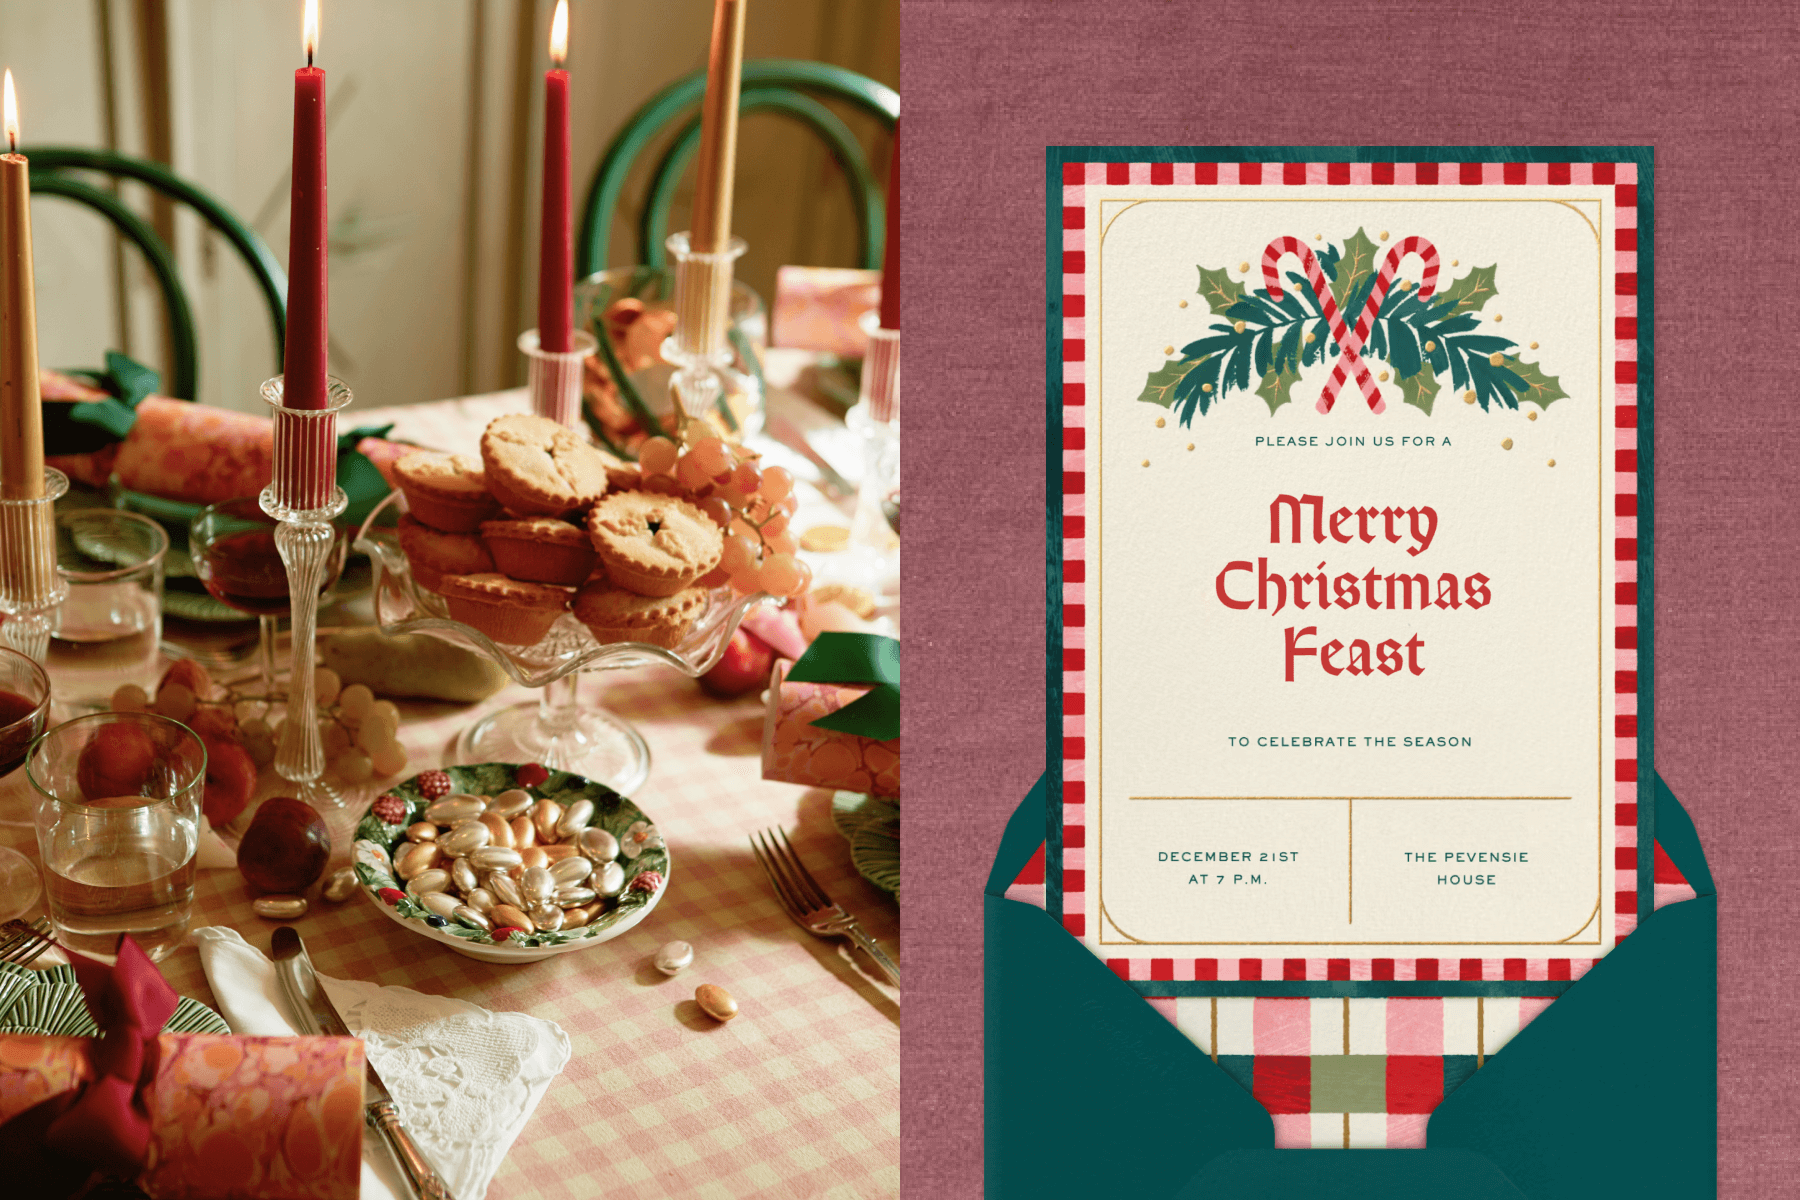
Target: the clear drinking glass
(24, 710)
(112, 562)
(118, 820)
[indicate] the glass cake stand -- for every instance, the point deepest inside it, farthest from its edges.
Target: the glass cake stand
(554, 729)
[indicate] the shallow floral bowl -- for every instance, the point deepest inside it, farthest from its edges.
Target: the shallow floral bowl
(643, 856)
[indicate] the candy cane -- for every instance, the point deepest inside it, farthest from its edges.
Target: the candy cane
(1350, 341)
(1385, 279)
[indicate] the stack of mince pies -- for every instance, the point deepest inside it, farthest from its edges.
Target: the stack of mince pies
(544, 523)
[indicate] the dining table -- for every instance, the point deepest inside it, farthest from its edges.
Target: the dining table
(797, 1096)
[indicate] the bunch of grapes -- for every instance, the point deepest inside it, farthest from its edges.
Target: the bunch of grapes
(358, 731)
(751, 505)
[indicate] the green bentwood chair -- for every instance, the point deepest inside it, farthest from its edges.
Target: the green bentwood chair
(54, 172)
(787, 86)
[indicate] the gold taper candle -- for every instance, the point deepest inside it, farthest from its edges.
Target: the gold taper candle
(711, 224)
(27, 536)
(21, 409)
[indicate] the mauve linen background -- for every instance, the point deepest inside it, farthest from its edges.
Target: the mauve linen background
(1713, 88)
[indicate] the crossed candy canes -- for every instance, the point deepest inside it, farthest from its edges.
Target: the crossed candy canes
(1350, 341)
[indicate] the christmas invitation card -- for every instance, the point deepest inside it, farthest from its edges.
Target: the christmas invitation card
(1356, 618)
(1349, 787)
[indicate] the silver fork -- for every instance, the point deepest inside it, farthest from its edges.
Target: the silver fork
(807, 903)
(20, 944)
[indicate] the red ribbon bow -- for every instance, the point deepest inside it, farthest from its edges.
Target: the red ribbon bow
(51, 1149)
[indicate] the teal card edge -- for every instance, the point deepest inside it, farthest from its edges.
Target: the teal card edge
(1643, 156)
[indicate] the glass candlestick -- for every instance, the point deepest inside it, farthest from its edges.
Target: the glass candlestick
(554, 378)
(874, 530)
(30, 587)
(304, 499)
(700, 349)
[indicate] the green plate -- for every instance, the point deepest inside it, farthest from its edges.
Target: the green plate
(175, 512)
(376, 841)
(872, 826)
(50, 1003)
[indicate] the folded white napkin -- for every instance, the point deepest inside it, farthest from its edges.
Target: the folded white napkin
(465, 1079)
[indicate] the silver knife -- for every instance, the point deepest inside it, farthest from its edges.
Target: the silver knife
(312, 1007)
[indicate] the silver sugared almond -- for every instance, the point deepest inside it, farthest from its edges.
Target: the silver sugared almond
(674, 957)
(280, 908)
(341, 886)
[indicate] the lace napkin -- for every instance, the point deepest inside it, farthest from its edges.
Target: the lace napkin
(466, 1079)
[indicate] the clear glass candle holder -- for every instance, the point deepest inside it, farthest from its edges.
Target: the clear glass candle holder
(554, 379)
(30, 588)
(118, 822)
(633, 312)
(874, 561)
(304, 499)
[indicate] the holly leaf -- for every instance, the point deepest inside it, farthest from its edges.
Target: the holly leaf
(1472, 292)
(1219, 290)
(1540, 389)
(1421, 390)
(1160, 387)
(1356, 265)
(1275, 385)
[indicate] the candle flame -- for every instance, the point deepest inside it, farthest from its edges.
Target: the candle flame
(12, 113)
(559, 34)
(309, 29)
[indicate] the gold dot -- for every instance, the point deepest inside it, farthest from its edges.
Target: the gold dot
(1184, 304)
(1405, 283)
(1310, 338)
(1190, 445)
(1384, 235)
(1496, 359)
(1206, 387)
(1454, 261)
(1534, 345)
(1168, 349)
(1430, 346)
(1498, 318)
(1531, 416)
(1318, 237)
(1505, 444)
(1146, 462)
(1553, 462)
(1382, 377)
(1468, 397)
(1243, 266)
(1238, 325)
(1160, 422)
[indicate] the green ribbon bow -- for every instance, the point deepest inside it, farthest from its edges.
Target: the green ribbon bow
(91, 424)
(360, 478)
(856, 658)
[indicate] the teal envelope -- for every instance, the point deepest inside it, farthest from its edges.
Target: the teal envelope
(1611, 1091)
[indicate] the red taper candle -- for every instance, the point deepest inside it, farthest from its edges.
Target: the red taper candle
(303, 383)
(556, 251)
(890, 257)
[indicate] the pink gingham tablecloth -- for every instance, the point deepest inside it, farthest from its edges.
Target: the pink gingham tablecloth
(798, 1096)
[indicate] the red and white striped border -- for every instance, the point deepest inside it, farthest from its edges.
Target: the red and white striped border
(1623, 178)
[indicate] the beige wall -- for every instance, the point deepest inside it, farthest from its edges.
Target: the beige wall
(434, 232)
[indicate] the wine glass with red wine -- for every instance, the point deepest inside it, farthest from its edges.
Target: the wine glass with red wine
(233, 546)
(24, 711)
